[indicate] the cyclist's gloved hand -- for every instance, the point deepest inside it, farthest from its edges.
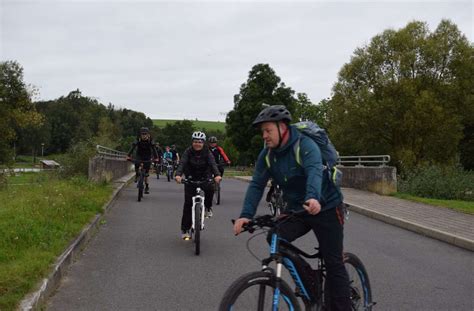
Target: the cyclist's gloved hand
(238, 225)
(217, 179)
(228, 162)
(312, 206)
(178, 179)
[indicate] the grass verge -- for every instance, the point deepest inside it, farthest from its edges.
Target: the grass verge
(461, 206)
(37, 223)
(230, 172)
(209, 125)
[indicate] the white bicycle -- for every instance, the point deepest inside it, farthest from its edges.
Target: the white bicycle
(198, 212)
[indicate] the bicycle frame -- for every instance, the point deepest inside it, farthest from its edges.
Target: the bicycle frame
(286, 256)
(198, 198)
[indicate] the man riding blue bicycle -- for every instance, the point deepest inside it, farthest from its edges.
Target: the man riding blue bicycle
(146, 153)
(304, 185)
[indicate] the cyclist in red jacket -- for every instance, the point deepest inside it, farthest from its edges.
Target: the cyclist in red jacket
(219, 154)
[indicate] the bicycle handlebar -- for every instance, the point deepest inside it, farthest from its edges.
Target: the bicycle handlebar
(140, 161)
(269, 221)
(196, 183)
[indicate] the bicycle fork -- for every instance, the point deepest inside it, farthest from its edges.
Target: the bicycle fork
(274, 253)
(198, 200)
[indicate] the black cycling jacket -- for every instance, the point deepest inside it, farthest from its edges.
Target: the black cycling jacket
(197, 165)
(145, 149)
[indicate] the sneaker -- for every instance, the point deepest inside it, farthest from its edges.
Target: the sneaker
(147, 189)
(208, 213)
(185, 235)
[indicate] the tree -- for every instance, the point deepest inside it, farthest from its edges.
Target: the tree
(16, 109)
(408, 94)
(307, 111)
(263, 86)
(179, 134)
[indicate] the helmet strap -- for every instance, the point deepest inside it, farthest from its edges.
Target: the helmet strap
(281, 136)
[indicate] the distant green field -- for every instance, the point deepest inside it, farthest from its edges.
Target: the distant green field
(210, 125)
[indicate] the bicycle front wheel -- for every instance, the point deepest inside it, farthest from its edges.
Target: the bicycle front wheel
(361, 293)
(217, 194)
(140, 187)
(197, 229)
(255, 291)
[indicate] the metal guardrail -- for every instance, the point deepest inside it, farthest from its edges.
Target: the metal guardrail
(368, 160)
(110, 153)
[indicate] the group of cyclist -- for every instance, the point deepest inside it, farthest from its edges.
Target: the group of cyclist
(198, 162)
(304, 185)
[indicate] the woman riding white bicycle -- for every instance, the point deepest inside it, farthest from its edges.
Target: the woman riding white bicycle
(197, 163)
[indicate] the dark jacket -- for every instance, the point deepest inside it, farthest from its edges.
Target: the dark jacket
(219, 155)
(145, 149)
(299, 183)
(197, 165)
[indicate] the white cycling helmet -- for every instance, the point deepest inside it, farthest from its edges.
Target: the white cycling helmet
(199, 135)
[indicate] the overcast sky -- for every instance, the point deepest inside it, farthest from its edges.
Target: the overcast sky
(186, 59)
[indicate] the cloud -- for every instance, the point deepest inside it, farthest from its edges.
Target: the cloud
(188, 59)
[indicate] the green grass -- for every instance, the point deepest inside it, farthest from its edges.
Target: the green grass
(461, 206)
(24, 178)
(37, 223)
(230, 172)
(209, 125)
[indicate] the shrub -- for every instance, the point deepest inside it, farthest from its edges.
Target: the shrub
(437, 182)
(76, 161)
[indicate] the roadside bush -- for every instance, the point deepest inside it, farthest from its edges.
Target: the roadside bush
(437, 182)
(76, 161)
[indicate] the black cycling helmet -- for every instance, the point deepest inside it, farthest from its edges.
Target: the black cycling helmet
(213, 139)
(273, 114)
(144, 130)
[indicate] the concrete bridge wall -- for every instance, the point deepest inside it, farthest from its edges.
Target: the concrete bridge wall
(107, 169)
(381, 180)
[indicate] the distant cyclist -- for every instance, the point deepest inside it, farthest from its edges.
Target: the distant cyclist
(168, 155)
(175, 153)
(219, 154)
(197, 164)
(146, 152)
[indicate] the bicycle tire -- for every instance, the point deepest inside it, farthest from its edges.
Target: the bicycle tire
(359, 283)
(197, 229)
(140, 194)
(140, 187)
(218, 194)
(259, 278)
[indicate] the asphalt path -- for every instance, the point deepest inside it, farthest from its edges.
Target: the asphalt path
(138, 261)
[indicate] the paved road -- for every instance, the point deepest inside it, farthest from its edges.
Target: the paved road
(138, 262)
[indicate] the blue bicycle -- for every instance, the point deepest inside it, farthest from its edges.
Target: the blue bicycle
(266, 290)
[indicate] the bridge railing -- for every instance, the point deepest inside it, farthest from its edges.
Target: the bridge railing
(110, 153)
(367, 160)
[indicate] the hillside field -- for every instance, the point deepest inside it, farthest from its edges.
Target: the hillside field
(210, 125)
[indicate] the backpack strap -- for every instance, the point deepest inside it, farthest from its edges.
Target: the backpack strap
(296, 150)
(267, 158)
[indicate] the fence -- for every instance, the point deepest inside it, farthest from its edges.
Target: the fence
(110, 153)
(368, 160)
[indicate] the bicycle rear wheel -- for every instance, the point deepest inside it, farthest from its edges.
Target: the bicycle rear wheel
(361, 293)
(197, 228)
(255, 291)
